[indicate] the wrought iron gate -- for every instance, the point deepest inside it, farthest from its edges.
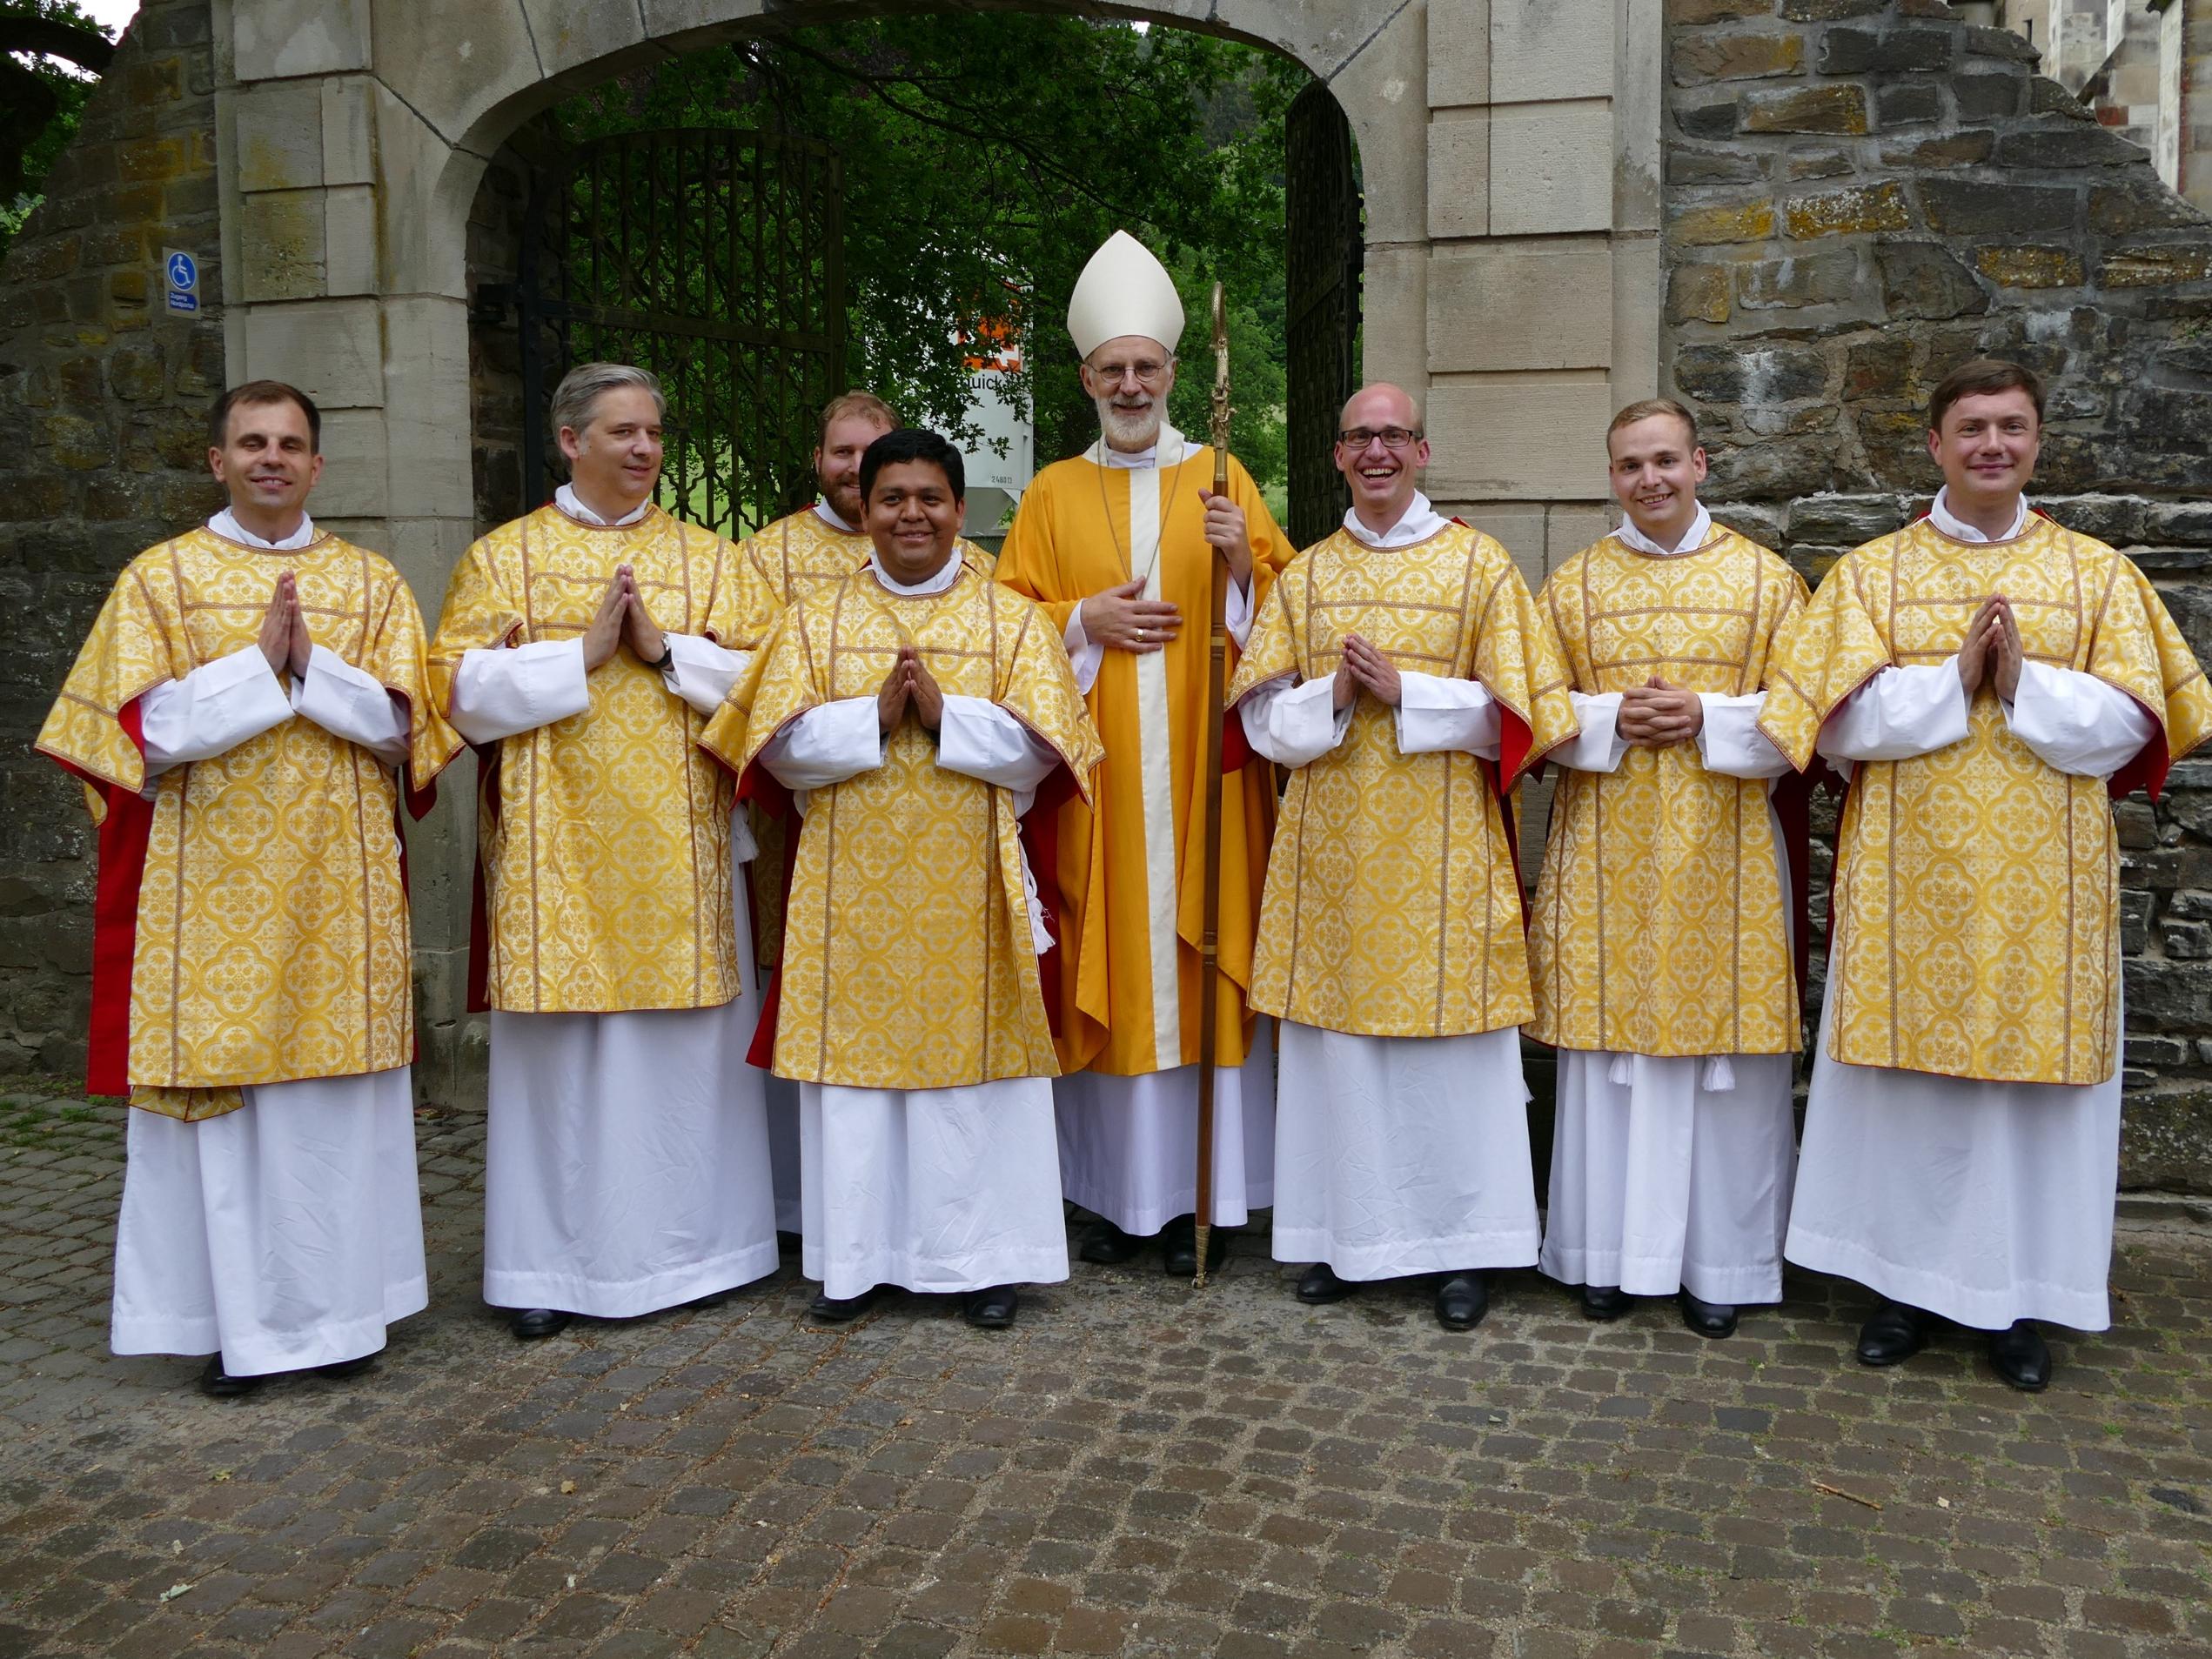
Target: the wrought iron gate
(1326, 256)
(714, 257)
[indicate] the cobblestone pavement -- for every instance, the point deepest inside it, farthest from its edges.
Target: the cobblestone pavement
(1136, 1468)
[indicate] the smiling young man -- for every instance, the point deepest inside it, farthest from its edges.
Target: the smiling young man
(1119, 544)
(1660, 943)
(240, 717)
(915, 711)
(582, 649)
(1399, 670)
(1988, 679)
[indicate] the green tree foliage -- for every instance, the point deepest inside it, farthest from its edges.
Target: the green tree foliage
(985, 155)
(50, 56)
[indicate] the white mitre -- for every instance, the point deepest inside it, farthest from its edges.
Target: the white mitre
(1124, 291)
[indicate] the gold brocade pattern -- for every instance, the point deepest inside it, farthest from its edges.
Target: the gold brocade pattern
(1976, 898)
(907, 960)
(271, 941)
(1659, 923)
(1392, 908)
(605, 838)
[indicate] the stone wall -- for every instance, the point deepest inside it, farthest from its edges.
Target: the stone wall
(104, 395)
(1862, 194)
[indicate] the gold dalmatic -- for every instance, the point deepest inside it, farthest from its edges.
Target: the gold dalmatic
(1659, 922)
(252, 921)
(798, 554)
(908, 958)
(1975, 912)
(604, 838)
(1392, 906)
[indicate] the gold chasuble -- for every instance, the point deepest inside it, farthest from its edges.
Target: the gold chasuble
(603, 839)
(1975, 909)
(1132, 859)
(798, 554)
(1659, 926)
(907, 960)
(1393, 906)
(250, 925)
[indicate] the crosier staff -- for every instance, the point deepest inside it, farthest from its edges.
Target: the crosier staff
(1209, 803)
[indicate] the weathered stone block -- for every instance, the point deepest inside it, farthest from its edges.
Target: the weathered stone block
(1814, 108)
(1551, 49)
(1981, 96)
(1546, 305)
(2073, 145)
(1551, 168)
(2188, 941)
(1521, 438)
(1700, 227)
(1707, 120)
(1459, 174)
(280, 136)
(277, 38)
(1829, 11)
(1746, 55)
(1910, 105)
(1970, 207)
(1733, 374)
(1879, 368)
(2187, 522)
(2157, 266)
(281, 241)
(2048, 97)
(2166, 1139)
(2190, 904)
(2114, 520)
(2134, 204)
(1968, 148)
(1818, 163)
(1459, 52)
(1695, 167)
(349, 145)
(1697, 294)
(1858, 51)
(1980, 42)
(1845, 520)
(1704, 11)
(333, 350)
(1858, 210)
(1802, 279)
(77, 443)
(2011, 266)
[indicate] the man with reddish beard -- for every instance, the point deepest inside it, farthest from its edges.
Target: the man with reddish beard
(1989, 678)
(1661, 944)
(1398, 668)
(1118, 544)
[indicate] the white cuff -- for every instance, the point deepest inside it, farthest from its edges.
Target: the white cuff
(508, 690)
(826, 746)
(980, 739)
(2076, 722)
(210, 711)
(1435, 714)
(703, 671)
(1294, 725)
(1598, 746)
(350, 704)
(1084, 654)
(1898, 714)
(1238, 610)
(1730, 742)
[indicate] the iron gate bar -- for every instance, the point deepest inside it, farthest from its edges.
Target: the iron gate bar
(1327, 253)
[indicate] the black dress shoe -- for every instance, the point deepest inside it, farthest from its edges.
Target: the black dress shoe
(218, 1384)
(992, 1309)
(532, 1324)
(1108, 1245)
(1320, 1284)
(836, 1310)
(2020, 1356)
(787, 1243)
(352, 1368)
(1708, 1318)
(1603, 1302)
(1462, 1300)
(1894, 1333)
(1179, 1247)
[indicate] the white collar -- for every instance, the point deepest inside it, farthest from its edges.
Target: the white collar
(829, 516)
(946, 576)
(1168, 450)
(572, 504)
(226, 523)
(1418, 523)
(1692, 538)
(1957, 529)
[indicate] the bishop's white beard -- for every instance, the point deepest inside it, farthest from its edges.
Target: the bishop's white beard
(1129, 429)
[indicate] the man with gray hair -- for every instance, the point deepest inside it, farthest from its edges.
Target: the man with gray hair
(582, 648)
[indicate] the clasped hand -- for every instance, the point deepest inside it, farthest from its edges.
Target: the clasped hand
(283, 640)
(1656, 715)
(1991, 650)
(1122, 618)
(908, 684)
(621, 618)
(1365, 668)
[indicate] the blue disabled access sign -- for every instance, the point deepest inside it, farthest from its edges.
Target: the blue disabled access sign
(183, 273)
